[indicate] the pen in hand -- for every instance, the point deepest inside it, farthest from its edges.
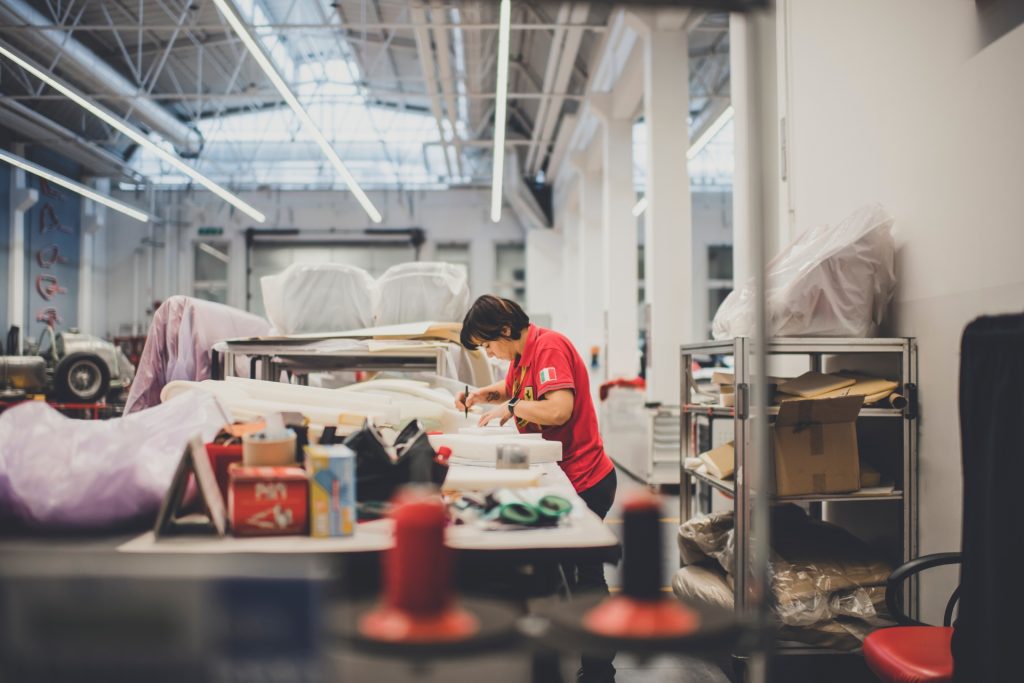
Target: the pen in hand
(465, 400)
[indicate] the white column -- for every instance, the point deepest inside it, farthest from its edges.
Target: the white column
(23, 198)
(667, 221)
(94, 218)
(482, 266)
(591, 265)
(569, 323)
(544, 274)
(619, 244)
(759, 209)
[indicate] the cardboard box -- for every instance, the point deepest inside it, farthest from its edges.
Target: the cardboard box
(267, 501)
(332, 490)
(721, 461)
(814, 384)
(814, 445)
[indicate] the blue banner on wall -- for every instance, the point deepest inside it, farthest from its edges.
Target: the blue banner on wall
(5, 244)
(52, 250)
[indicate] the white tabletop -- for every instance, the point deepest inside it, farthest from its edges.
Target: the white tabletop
(584, 529)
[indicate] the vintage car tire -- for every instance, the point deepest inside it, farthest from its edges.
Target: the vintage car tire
(81, 378)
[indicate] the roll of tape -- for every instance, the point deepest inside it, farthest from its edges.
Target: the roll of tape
(258, 451)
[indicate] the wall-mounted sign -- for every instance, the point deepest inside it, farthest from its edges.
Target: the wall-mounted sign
(52, 250)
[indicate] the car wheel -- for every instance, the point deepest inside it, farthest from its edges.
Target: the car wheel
(81, 378)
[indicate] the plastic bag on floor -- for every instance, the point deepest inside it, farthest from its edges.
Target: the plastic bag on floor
(832, 281)
(61, 473)
(416, 292)
(322, 297)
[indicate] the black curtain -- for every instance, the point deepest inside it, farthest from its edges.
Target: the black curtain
(991, 617)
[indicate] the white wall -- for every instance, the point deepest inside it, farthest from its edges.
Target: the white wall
(897, 102)
(448, 216)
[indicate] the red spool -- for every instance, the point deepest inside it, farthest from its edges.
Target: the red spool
(642, 611)
(418, 603)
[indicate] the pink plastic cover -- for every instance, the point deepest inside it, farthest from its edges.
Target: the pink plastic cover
(178, 345)
(95, 474)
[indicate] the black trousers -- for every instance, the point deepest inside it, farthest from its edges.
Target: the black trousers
(589, 577)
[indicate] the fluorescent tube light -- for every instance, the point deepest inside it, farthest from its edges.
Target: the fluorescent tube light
(710, 132)
(257, 53)
(215, 253)
(134, 135)
(83, 190)
(500, 109)
(640, 207)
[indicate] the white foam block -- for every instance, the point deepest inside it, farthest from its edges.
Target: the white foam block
(468, 478)
(468, 447)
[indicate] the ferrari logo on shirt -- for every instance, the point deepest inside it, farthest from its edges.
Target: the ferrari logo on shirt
(547, 375)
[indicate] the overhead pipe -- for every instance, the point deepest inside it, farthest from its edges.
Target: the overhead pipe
(86, 68)
(35, 126)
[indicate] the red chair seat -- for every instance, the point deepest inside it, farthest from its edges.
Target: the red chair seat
(910, 654)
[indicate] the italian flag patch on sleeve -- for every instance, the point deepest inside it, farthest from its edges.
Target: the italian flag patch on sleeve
(547, 375)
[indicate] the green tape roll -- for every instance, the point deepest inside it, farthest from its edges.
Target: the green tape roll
(519, 513)
(554, 506)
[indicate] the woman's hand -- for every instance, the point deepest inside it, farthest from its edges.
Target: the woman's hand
(500, 413)
(483, 395)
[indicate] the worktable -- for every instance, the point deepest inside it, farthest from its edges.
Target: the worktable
(586, 533)
(301, 355)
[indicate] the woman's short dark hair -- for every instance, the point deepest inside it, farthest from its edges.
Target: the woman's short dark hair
(488, 318)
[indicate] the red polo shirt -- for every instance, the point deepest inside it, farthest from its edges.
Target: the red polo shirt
(549, 361)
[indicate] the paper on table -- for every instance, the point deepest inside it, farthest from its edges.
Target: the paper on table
(383, 345)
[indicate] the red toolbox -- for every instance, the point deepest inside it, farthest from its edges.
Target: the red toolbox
(267, 501)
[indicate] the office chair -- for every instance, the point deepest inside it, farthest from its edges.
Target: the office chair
(984, 643)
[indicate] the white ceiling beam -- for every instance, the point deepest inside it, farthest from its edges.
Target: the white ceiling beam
(426, 58)
(444, 66)
(557, 41)
(566, 61)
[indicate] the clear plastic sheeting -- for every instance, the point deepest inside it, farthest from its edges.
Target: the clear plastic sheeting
(820, 574)
(179, 341)
(707, 585)
(61, 473)
(832, 281)
(411, 292)
(322, 297)
(708, 537)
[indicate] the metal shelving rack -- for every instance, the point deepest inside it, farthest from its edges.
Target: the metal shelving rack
(816, 349)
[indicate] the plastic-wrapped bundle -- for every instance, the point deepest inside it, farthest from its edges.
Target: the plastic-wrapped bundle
(82, 474)
(178, 344)
(819, 571)
(832, 281)
(707, 537)
(698, 584)
(422, 291)
(322, 297)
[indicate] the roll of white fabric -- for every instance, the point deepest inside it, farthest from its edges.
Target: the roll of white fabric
(325, 409)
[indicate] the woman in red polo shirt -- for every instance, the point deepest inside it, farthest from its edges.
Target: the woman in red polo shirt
(547, 391)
